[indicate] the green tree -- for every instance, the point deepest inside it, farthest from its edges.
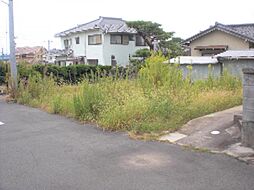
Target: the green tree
(174, 47)
(149, 30)
(144, 53)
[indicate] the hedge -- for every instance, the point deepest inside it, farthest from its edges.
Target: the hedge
(3, 72)
(70, 74)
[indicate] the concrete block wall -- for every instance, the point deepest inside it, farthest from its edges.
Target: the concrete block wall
(248, 108)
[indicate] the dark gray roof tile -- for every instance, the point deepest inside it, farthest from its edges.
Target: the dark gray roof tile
(244, 31)
(106, 24)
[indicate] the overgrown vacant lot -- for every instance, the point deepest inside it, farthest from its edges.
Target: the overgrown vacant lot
(159, 99)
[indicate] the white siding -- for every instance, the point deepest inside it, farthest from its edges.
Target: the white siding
(120, 51)
(95, 51)
(78, 49)
(104, 51)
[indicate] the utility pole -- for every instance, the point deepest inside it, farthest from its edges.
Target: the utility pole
(49, 42)
(12, 48)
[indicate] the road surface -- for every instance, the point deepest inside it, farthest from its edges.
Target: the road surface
(40, 151)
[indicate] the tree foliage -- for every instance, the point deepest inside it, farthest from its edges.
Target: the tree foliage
(151, 30)
(174, 47)
(148, 30)
(144, 53)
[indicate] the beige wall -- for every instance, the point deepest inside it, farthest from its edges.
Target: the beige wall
(218, 38)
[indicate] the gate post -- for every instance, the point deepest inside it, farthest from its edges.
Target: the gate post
(248, 108)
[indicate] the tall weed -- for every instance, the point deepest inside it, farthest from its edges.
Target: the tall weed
(89, 102)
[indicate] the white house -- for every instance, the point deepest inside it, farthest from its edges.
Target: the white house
(105, 41)
(60, 57)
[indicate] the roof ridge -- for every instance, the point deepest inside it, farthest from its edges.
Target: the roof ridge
(223, 27)
(86, 23)
(98, 22)
(80, 25)
(245, 24)
(113, 18)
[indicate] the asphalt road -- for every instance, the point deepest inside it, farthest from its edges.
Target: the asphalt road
(39, 151)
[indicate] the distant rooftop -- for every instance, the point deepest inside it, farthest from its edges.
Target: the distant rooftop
(236, 54)
(243, 31)
(106, 24)
(28, 50)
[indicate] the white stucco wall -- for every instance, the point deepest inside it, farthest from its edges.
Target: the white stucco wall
(94, 51)
(120, 51)
(83, 49)
(104, 51)
(78, 49)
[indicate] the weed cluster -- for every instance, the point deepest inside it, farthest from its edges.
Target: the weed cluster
(158, 99)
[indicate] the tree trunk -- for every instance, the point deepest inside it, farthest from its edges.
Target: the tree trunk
(147, 40)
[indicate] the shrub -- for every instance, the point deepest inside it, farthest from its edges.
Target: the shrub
(4, 72)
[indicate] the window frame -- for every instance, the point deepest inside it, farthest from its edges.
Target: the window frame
(77, 40)
(94, 62)
(66, 43)
(93, 36)
(251, 45)
(125, 41)
(142, 45)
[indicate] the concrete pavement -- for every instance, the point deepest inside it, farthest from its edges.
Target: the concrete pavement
(40, 151)
(217, 132)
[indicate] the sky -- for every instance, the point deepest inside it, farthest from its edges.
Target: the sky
(37, 21)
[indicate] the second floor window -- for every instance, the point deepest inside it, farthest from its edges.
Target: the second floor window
(119, 39)
(77, 40)
(67, 43)
(251, 45)
(94, 39)
(140, 41)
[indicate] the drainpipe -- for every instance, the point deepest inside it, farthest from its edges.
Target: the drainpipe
(85, 57)
(248, 108)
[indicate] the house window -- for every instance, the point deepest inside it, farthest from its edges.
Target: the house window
(125, 39)
(251, 45)
(67, 43)
(94, 39)
(115, 39)
(119, 39)
(140, 41)
(92, 62)
(131, 37)
(77, 40)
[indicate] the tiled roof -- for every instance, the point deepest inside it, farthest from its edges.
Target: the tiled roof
(106, 24)
(236, 54)
(243, 31)
(28, 50)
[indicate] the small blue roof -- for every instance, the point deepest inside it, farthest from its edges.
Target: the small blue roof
(4, 57)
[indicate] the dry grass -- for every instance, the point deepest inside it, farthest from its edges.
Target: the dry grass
(158, 100)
